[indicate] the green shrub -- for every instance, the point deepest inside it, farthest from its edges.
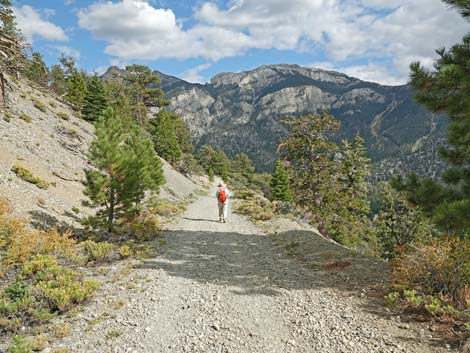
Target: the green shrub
(258, 209)
(75, 210)
(20, 345)
(125, 251)
(245, 194)
(164, 208)
(26, 175)
(63, 116)
(61, 287)
(53, 104)
(142, 224)
(39, 105)
(101, 251)
(434, 275)
(25, 117)
(7, 117)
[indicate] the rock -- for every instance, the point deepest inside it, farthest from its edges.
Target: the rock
(466, 347)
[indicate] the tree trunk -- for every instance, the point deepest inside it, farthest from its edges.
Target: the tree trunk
(2, 91)
(111, 212)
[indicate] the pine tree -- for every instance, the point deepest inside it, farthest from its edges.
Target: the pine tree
(446, 90)
(280, 190)
(242, 164)
(310, 156)
(205, 157)
(37, 70)
(95, 100)
(11, 49)
(125, 167)
(76, 89)
(211, 175)
(398, 222)
(142, 88)
(328, 180)
(221, 165)
(165, 136)
(183, 134)
(57, 80)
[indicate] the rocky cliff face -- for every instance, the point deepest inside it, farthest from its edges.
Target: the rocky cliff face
(243, 112)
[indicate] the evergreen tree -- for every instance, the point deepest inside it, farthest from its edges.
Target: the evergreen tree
(11, 50)
(280, 190)
(328, 180)
(76, 89)
(205, 157)
(142, 89)
(211, 175)
(165, 136)
(221, 165)
(398, 222)
(125, 166)
(95, 100)
(242, 164)
(37, 70)
(310, 157)
(7, 18)
(446, 90)
(183, 134)
(57, 80)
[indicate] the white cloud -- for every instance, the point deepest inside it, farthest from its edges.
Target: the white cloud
(401, 32)
(194, 74)
(373, 73)
(32, 25)
(68, 51)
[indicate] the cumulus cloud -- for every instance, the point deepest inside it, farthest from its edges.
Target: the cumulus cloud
(194, 74)
(32, 25)
(68, 51)
(379, 31)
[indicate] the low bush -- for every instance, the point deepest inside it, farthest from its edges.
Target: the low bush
(245, 194)
(142, 225)
(256, 208)
(26, 175)
(63, 116)
(21, 243)
(20, 345)
(98, 252)
(164, 208)
(53, 104)
(434, 275)
(35, 287)
(25, 117)
(7, 117)
(39, 105)
(125, 252)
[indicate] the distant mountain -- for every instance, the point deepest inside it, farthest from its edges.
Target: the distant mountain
(242, 112)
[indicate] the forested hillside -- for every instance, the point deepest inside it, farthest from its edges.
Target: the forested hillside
(242, 112)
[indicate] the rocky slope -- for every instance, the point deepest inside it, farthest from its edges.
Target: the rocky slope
(49, 140)
(243, 112)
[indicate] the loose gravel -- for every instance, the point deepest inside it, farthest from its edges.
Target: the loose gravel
(228, 288)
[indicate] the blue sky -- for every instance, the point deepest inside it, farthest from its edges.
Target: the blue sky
(373, 40)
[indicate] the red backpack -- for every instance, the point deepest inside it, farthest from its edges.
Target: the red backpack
(222, 196)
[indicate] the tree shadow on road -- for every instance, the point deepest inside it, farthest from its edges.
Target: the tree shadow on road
(250, 263)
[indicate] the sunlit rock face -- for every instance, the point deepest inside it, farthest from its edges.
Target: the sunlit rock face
(244, 112)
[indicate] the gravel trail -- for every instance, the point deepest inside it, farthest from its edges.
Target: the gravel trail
(226, 288)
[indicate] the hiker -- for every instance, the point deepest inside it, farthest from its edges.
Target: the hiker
(222, 195)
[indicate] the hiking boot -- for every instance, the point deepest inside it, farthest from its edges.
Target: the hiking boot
(225, 221)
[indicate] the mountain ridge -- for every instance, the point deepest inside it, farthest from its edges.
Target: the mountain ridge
(243, 111)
